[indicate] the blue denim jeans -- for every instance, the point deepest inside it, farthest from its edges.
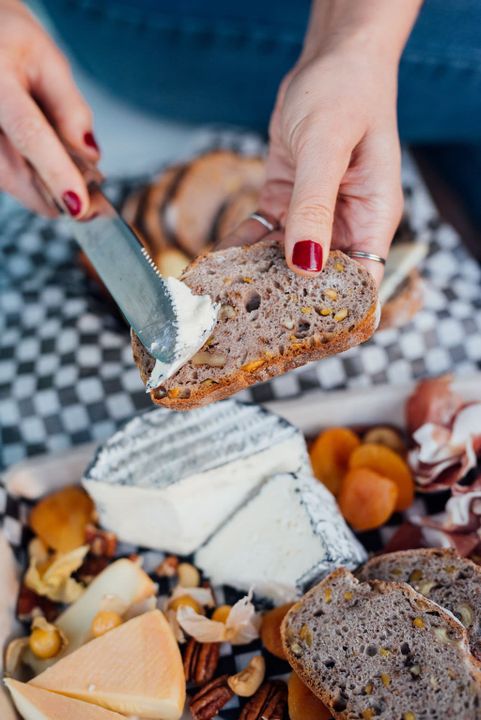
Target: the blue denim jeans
(215, 61)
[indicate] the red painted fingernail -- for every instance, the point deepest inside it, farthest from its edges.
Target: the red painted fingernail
(307, 255)
(89, 139)
(72, 202)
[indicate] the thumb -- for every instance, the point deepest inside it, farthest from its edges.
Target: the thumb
(320, 168)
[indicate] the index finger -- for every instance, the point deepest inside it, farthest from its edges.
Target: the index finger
(31, 134)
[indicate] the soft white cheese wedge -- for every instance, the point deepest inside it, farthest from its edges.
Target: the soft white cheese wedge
(285, 538)
(35, 704)
(168, 480)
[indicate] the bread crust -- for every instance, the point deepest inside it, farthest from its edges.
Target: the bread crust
(422, 603)
(406, 302)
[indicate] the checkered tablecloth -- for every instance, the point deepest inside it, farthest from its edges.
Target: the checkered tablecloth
(66, 370)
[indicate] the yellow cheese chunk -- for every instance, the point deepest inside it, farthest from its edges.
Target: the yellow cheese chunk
(135, 669)
(123, 579)
(35, 704)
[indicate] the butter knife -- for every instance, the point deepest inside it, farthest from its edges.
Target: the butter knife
(129, 274)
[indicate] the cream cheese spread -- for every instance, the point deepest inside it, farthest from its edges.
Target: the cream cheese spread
(196, 316)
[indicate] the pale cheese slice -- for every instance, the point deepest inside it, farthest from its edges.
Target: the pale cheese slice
(123, 579)
(35, 704)
(135, 669)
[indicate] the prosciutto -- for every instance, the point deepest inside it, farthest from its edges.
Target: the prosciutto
(447, 443)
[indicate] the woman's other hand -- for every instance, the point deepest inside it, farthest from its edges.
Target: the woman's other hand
(40, 110)
(333, 168)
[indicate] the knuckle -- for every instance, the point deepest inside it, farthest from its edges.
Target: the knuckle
(24, 131)
(314, 212)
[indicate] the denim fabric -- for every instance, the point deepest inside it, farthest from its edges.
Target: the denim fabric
(212, 61)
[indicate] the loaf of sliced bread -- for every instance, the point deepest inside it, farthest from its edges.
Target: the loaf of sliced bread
(271, 320)
(381, 650)
(440, 575)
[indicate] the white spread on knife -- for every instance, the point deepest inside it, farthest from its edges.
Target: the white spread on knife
(197, 315)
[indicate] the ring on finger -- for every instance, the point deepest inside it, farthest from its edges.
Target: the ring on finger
(268, 222)
(367, 256)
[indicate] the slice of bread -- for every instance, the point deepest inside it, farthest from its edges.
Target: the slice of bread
(201, 192)
(441, 575)
(381, 650)
(404, 304)
(271, 320)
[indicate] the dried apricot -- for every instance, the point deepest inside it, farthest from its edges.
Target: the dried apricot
(303, 704)
(60, 519)
(271, 630)
(367, 499)
(330, 455)
(389, 464)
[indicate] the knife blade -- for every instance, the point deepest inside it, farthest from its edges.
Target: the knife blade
(129, 274)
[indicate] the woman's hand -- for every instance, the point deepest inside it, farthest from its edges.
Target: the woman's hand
(40, 109)
(333, 169)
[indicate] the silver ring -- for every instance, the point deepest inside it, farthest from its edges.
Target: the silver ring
(367, 256)
(264, 221)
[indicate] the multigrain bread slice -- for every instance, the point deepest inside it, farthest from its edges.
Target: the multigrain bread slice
(381, 650)
(441, 575)
(271, 320)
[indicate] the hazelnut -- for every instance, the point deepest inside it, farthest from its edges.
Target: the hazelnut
(212, 359)
(105, 621)
(186, 600)
(416, 575)
(441, 635)
(306, 310)
(45, 643)
(328, 595)
(247, 682)
(385, 679)
(383, 435)
(339, 267)
(221, 613)
(324, 311)
(425, 587)
(418, 622)
(331, 294)
(188, 575)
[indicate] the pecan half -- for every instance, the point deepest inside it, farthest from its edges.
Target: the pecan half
(200, 661)
(102, 543)
(269, 702)
(207, 703)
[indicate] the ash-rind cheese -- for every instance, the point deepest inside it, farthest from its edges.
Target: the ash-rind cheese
(284, 540)
(169, 480)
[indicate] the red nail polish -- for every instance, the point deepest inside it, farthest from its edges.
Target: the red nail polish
(307, 255)
(89, 139)
(72, 202)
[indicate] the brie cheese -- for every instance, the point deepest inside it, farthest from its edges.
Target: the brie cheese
(168, 480)
(284, 540)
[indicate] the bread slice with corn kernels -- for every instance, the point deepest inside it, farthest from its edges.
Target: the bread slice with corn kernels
(271, 320)
(381, 650)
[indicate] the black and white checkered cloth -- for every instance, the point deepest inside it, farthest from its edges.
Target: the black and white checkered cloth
(66, 370)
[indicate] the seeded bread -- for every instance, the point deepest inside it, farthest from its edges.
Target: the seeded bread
(381, 650)
(441, 575)
(271, 320)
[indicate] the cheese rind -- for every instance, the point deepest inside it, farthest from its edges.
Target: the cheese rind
(286, 538)
(36, 704)
(185, 473)
(135, 669)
